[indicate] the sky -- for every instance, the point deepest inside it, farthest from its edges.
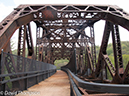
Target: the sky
(7, 6)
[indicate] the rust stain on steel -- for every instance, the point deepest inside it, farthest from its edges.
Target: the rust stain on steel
(56, 85)
(47, 14)
(60, 33)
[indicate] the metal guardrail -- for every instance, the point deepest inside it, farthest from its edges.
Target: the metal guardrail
(74, 91)
(97, 87)
(19, 73)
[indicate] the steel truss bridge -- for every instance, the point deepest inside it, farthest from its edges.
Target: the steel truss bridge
(60, 33)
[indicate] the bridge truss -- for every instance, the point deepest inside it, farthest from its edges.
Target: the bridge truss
(60, 33)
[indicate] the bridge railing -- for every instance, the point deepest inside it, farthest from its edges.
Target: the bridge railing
(17, 73)
(76, 83)
(74, 91)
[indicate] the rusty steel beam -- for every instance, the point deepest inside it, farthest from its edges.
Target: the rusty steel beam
(93, 47)
(60, 29)
(21, 41)
(26, 13)
(126, 73)
(118, 49)
(109, 64)
(103, 47)
(29, 41)
(37, 46)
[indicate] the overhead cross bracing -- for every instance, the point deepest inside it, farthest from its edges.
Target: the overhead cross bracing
(60, 33)
(23, 14)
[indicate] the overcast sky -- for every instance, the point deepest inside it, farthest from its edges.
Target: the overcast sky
(7, 6)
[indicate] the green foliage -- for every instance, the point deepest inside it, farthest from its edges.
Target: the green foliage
(109, 75)
(125, 54)
(125, 46)
(12, 44)
(110, 50)
(60, 63)
(125, 60)
(97, 51)
(14, 52)
(125, 51)
(9, 83)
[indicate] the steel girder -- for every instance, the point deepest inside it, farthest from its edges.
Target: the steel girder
(63, 30)
(24, 14)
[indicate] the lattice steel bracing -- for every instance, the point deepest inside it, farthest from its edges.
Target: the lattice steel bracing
(37, 36)
(103, 46)
(29, 42)
(93, 50)
(10, 65)
(109, 65)
(61, 28)
(21, 42)
(24, 38)
(117, 47)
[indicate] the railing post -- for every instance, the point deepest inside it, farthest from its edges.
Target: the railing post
(43, 75)
(2, 87)
(75, 60)
(49, 71)
(26, 83)
(37, 78)
(3, 90)
(46, 73)
(1, 58)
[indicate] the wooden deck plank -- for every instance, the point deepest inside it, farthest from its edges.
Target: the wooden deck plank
(56, 85)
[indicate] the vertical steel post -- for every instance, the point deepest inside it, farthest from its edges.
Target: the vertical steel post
(103, 47)
(114, 51)
(37, 43)
(26, 83)
(93, 48)
(75, 60)
(29, 41)
(117, 78)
